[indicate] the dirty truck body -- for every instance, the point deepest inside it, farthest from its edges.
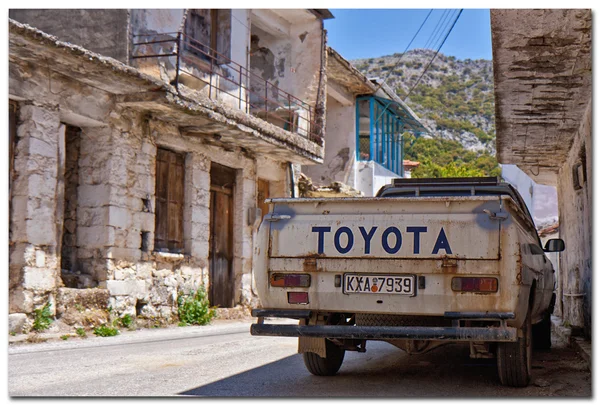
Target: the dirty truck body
(426, 262)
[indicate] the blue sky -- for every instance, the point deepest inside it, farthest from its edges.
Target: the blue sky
(367, 33)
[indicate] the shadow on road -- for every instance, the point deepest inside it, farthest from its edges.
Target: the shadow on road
(385, 371)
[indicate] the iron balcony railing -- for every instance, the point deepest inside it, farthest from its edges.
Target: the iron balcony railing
(254, 95)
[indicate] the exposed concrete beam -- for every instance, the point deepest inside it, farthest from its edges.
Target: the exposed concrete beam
(270, 22)
(339, 94)
(542, 78)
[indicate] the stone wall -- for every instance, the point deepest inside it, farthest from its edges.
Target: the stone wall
(575, 208)
(34, 238)
(110, 212)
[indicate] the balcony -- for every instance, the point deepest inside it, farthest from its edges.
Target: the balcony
(194, 68)
(380, 126)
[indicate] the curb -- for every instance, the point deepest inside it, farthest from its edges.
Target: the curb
(584, 349)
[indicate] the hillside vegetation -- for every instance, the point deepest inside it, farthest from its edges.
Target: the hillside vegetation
(455, 101)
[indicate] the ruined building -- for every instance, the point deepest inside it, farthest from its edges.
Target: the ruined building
(543, 84)
(143, 144)
(364, 127)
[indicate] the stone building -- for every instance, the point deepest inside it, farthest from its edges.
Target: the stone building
(543, 83)
(143, 144)
(364, 126)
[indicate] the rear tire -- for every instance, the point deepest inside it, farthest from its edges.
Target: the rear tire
(328, 366)
(542, 334)
(514, 358)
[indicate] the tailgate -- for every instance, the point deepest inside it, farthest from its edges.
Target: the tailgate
(411, 228)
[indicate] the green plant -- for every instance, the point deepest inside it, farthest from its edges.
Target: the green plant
(65, 337)
(79, 307)
(43, 318)
(105, 331)
(80, 332)
(13, 333)
(126, 321)
(194, 309)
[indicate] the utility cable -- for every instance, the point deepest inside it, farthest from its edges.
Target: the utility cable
(403, 53)
(438, 38)
(436, 53)
(436, 29)
(433, 34)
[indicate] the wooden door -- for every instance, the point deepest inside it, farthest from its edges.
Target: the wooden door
(221, 236)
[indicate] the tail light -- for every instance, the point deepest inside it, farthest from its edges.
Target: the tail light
(297, 297)
(290, 280)
(475, 284)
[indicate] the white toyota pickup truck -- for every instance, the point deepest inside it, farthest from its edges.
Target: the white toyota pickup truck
(424, 263)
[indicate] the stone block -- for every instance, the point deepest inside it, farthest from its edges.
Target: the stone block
(20, 300)
(200, 231)
(38, 147)
(199, 214)
(189, 271)
(144, 221)
(199, 249)
(124, 274)
(119, 217)
(41, 232)
(36, 278)
(95, 236)
(123, 253)
(97, 216)
(148, 148)
(126, 287)
(43, 185)
(144, 270)
(16, 323)
(93, 195)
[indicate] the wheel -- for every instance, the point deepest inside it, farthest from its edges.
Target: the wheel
(514, 358)
(317, 365)
(542, 333)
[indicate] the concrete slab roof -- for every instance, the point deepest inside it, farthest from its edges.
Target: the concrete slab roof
(341, 71)
(543, 85)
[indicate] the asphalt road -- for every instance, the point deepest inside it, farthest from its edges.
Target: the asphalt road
(224, 360)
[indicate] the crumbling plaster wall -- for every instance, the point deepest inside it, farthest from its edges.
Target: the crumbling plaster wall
(575, 208)
(104, 31)
(297, 57)
(154, 24)
(340, 151)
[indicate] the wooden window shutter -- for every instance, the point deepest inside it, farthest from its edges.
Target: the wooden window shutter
(169, 201)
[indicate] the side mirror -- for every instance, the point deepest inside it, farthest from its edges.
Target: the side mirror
(554, 245)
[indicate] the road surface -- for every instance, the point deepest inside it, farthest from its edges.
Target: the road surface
(224, 360)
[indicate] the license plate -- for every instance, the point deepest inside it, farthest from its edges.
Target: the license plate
(379, 284)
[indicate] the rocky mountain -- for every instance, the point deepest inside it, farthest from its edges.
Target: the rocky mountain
(454, 99)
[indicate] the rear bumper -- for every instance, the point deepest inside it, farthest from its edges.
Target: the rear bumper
(455, 333)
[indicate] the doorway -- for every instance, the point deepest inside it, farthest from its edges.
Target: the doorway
(220, 256)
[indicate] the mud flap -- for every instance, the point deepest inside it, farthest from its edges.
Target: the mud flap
(312, 344)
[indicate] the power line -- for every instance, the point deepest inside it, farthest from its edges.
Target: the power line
(402, 55)
(436, 29)
(438, 38)
(436, 34)
(436, 53)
